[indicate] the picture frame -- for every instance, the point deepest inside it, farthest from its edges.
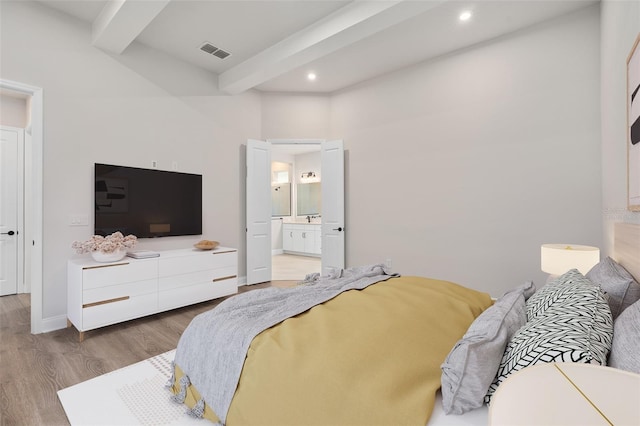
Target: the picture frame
(633, 127)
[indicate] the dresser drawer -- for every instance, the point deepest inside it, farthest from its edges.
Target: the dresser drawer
(118, 273)
(102, 294)
(94, 316)
(196, 292)
(185, 280)
(201, 262)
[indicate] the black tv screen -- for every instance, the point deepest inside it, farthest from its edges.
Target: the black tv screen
(146, 202)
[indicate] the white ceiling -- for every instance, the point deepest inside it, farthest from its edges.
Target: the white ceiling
(275, 43)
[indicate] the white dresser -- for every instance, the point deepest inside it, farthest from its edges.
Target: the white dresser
(101, 294)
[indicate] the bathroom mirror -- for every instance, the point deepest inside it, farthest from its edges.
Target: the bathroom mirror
(281, 199)
(309, 199)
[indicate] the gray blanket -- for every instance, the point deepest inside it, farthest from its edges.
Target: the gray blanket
(212, 350)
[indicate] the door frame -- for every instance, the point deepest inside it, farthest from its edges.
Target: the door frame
(34, 187)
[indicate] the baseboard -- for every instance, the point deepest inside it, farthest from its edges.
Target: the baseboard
(54, 323)
(276, 252)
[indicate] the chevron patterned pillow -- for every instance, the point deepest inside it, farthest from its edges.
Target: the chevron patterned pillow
(557, 291)
(569, 322)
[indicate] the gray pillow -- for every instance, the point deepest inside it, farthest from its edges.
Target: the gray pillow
(473, 362)
(625, 350)
(619, 287)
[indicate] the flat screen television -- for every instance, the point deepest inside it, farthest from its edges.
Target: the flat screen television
(146, 202)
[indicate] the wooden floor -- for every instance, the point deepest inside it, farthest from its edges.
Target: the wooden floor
(293, 267)
(34, 367)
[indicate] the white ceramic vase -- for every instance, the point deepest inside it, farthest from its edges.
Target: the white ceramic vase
(99, 256)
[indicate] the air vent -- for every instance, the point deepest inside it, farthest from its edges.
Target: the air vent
(215, 51)
(209, 48)
(221, 53)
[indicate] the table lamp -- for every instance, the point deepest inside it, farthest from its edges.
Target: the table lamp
(556, 259)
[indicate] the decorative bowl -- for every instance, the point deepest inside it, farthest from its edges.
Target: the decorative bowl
(206, 245)
(100, 256)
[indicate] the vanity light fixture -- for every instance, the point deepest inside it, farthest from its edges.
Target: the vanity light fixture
(465, 16)
(308, 175)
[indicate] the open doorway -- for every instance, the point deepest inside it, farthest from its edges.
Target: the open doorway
(259, 213)
(296, 204)
(30, 226)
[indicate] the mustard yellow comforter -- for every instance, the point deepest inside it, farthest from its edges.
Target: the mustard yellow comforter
(366, 357)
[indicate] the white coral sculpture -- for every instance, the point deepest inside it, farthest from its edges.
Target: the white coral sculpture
(108, 244)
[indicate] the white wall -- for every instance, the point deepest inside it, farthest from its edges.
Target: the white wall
(620, 25)
(295, 116)
(128, 110)
(460, 168)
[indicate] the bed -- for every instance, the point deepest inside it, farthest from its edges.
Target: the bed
(368, 347)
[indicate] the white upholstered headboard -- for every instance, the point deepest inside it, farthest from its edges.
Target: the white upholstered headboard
(626, 247)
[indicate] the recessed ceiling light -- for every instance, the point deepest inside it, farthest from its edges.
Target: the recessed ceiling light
(465, 16)
(311, 76)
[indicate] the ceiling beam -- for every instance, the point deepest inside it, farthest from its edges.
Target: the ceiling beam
(121, 21)
(347, 25)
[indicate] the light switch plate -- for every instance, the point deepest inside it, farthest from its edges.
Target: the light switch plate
(79, 220)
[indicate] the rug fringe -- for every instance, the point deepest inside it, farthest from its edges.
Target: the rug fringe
(184, 384)
(172, 379)
(197, 410)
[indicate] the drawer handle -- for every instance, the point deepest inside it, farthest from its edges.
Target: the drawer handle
(104, 302)
(222, 252)
(105, 266)
(224, 278)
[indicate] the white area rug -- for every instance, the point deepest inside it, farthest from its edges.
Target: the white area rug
(136, 395)
(133, 395)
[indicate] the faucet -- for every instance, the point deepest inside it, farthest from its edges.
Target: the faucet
(308, 219)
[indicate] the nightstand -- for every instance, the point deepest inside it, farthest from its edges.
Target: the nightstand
(567, 394)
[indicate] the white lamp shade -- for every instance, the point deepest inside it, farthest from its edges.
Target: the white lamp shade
(556, 259)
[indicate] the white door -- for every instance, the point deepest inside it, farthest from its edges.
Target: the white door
(9, 182)
(258, 211)
(332, 155)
